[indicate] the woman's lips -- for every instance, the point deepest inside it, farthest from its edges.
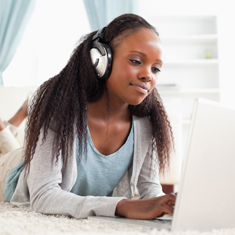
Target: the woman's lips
(141, 87)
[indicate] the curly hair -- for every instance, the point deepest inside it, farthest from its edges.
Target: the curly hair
(62, 100)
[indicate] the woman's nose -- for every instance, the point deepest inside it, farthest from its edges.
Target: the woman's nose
(145, 75)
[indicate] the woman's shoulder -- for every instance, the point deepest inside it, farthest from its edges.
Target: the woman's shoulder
(142, 125)
(143, 121)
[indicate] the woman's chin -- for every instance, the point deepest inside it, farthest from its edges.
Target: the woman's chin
(135, 102)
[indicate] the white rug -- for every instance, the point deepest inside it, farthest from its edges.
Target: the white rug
(14, 220)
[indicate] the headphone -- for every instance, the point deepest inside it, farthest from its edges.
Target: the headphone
(101, 55)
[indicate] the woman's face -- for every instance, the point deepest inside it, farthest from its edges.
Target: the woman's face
(136, 64)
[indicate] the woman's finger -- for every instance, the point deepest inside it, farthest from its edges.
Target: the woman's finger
(170, 198)
(164, 209)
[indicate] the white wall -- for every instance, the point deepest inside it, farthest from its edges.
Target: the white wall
(224, 10)
(226, 19)
(148, 7)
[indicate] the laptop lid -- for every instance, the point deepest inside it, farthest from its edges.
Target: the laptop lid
(206, 194)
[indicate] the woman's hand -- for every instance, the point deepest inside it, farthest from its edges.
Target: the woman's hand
(146, 208)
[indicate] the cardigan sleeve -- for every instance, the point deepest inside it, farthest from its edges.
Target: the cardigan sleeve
(148, 182)
(49, 186)
(146, 170)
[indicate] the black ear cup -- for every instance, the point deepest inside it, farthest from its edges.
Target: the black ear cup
(101, 55)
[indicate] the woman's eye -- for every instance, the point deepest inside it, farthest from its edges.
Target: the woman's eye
(137, 62)
(156, 70)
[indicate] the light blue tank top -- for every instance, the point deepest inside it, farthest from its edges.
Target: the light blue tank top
(99, 174)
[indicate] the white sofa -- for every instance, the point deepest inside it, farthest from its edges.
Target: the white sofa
(11, 98)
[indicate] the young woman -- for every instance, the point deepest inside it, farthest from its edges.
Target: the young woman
(98, 130)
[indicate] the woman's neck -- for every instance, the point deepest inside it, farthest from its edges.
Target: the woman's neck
(109, 124)
(107, 108)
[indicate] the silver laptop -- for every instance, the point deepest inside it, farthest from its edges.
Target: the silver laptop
(206, 197)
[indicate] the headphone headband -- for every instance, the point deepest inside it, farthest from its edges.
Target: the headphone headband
(98, 39)
(99, 34)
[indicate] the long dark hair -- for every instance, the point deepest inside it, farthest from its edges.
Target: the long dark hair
(61, 102)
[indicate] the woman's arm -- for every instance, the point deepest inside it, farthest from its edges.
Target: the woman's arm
(148, 181)
(153, 203)
(146, 208)
(49, 187)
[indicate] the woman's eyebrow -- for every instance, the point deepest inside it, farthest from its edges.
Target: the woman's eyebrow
(143, 54)
(139, 53)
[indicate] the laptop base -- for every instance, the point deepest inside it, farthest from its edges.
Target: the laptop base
(159, 224)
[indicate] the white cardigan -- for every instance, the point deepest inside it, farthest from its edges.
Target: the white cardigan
(47, 186)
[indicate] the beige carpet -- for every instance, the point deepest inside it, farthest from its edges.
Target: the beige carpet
(18, 221)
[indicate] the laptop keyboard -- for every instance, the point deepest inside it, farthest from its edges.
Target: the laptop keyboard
(166, 218)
